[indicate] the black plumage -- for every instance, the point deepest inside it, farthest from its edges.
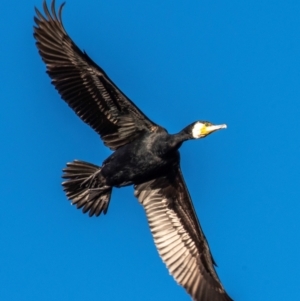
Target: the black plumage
(145, 156)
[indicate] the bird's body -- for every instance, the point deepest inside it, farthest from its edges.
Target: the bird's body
(141, 160)
(145, 156)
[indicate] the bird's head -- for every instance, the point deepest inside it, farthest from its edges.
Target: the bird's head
(201, 129)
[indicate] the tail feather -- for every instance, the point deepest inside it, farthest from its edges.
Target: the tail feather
(85, 188)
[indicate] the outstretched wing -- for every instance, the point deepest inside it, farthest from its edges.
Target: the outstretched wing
(85, 86)
(178, 236)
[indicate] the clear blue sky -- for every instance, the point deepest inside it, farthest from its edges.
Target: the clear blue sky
(234, 62)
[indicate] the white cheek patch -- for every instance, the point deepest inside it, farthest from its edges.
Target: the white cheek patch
(196, 132)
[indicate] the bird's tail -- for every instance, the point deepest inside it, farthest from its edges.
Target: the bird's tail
(84, 186)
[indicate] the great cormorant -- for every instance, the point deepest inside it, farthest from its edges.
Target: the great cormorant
(145, 156)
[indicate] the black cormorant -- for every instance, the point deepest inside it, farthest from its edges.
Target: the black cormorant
(145, 156)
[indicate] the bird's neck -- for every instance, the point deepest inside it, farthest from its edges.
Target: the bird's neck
(176, 140)
(168, 143)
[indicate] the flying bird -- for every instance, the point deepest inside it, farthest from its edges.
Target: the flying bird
(144, 155)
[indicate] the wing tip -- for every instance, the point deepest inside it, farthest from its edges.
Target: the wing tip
(49, 15)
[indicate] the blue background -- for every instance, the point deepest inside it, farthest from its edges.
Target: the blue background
(234, 62)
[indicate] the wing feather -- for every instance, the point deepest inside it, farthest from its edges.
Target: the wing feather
(179, 238)
(85, 86)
